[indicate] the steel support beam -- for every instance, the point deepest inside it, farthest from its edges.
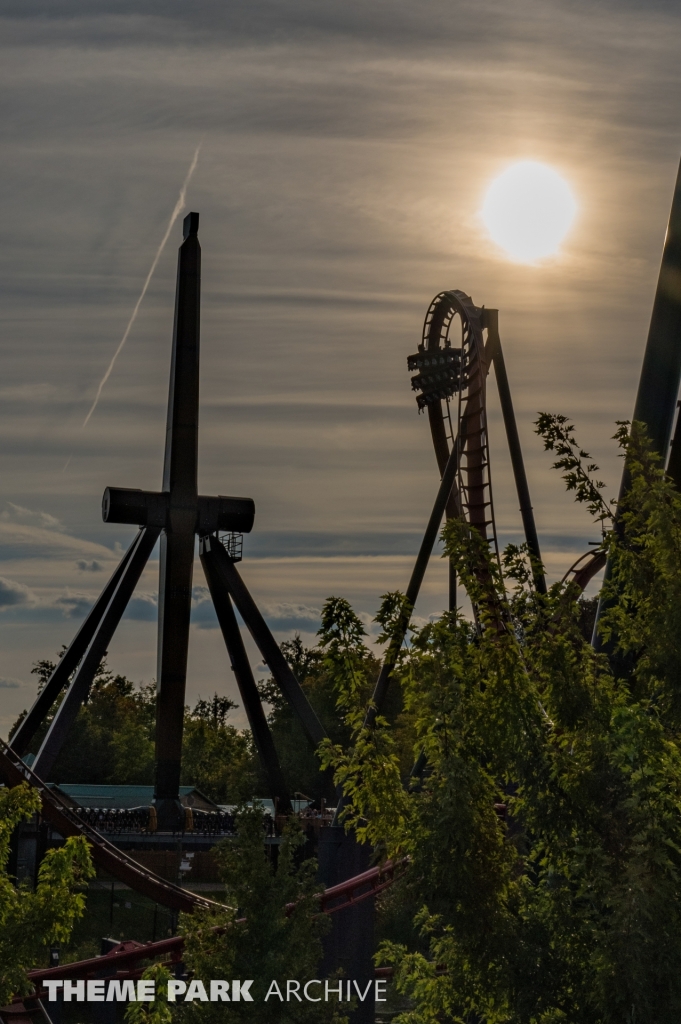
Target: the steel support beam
(415, 581)
(674, 464)
(257, 721)
(439, 434)
(80, 685)
(283, 675)
(69, 661)
(658, 387)
(177, 541)
(490, 320)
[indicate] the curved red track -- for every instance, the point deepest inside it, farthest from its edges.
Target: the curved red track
(472, 499)
(13, 771)
(124, 957)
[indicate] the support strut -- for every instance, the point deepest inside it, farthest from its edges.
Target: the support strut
(257, 721)
(68, 662)
(658, 387)
(491, 321)
(82, 681)
(225, 571)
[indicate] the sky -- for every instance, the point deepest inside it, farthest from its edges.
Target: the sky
(346, 148)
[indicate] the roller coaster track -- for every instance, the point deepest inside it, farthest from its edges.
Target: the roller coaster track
(466, 425)
(124, 959)
(54, 809)
(582, 574)
(457, 415)
(127, 959)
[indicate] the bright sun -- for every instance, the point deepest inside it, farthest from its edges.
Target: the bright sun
(528, 210)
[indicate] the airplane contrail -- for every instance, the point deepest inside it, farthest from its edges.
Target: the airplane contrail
(179, 207)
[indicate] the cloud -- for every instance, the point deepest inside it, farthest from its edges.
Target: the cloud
(9, 683)
(20, 540)
(292, 616)
(203, 612)
(74, 606)
(93, 566)
(142, 608)
(279, 617)
(18, 514)
(13, 594)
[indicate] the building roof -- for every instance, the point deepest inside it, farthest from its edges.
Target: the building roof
(88, 795)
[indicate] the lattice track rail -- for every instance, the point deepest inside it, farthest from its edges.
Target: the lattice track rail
(457, 414)
(54, 809)
(124, 959)
(128, 958)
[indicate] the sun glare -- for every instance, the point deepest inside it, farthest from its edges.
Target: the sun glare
(528, 210)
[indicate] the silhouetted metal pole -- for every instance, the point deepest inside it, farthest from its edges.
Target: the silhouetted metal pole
(262, 737)
(82, 681)
(490, 319)
(177, 540)
(69, 661)
(674, 464)
(658, 386)
(415, 581)
(282, 672)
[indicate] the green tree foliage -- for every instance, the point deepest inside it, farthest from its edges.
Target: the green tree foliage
(33, 920)
(544, 835)
(317, 671)
(297, 756)
(217, 758)
(112, 740)
(259, 939)
(158, 1010)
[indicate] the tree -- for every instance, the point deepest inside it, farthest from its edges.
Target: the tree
(218, 759)
(544, 835)
(157, 1011)
(273, 933)
(316, 673)
(33, 920)
(112, 740)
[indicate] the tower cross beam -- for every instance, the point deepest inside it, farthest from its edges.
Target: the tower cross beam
(214, 514)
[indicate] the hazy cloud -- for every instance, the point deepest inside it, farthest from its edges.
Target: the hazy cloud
(283, 617)
(19, 540)
(8, 683)
(74, 606)
(203, 612)
(279, 617)
(93, 566)
(17, 514)
(13, 594)
(142, 607)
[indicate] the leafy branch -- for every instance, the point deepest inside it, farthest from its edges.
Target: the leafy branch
(578, 471)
